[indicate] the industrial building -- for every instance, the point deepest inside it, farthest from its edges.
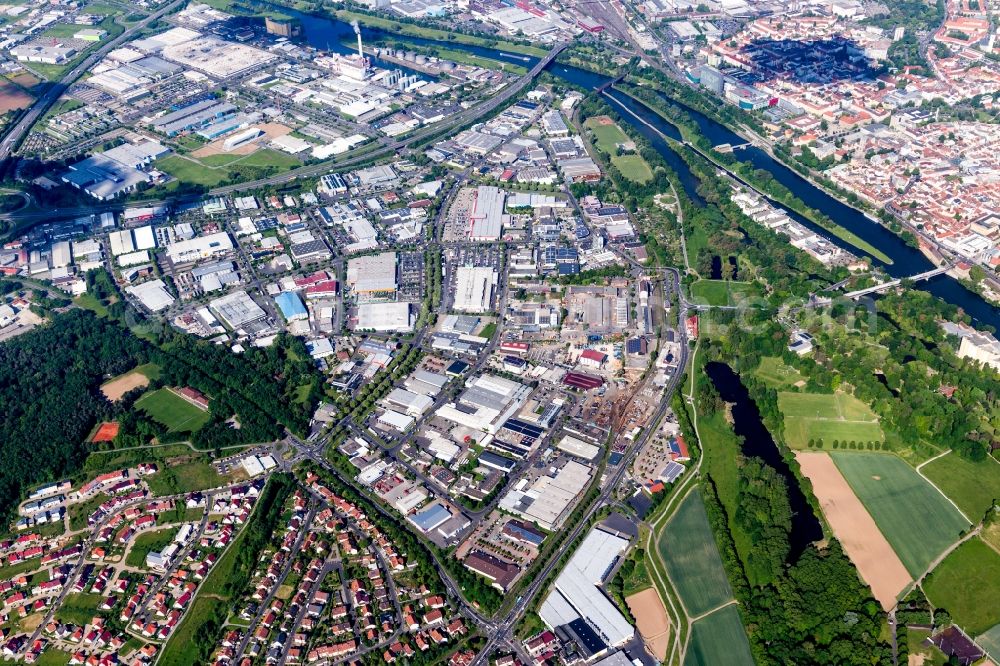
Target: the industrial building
(576, 595)
(474, 289)
(385, 317)
(487, 402)
(153, 295)
(117, 171)
(237, 309)
(548, 499)
(200, 247)
(373, 277)
(486, 217)
(291, 306)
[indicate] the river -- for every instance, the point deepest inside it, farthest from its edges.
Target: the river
(757, 442)
(329, 34)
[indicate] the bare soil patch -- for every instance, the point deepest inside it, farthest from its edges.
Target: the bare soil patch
(217, 147)
(12, 97)
(651, 620)
(119, 386)
(871, 553)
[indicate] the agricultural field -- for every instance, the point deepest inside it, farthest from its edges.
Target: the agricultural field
(719, 640)
(828, 417)
(173, 411)
(776, 374)
(692, 559)
(973, 486)
(720, 292)
(967, 584)
(918, 521)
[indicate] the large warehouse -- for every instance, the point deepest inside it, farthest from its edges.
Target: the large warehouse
(385, 317)
(488, 401)
(474, 288)
(576, 596)
(372, 277)
(200, 247)
(486, 218)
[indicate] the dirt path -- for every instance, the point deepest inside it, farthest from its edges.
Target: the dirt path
(863, 542)
(651, 621)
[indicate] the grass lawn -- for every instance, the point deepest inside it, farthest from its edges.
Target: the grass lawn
(720, 292)
(719, 640)
(773, 371)
(692, 558)
(185, 477)
(90, 302)
(78, 512)
(915, 518)
(173, 411)
(606, 136)
(53, 657)
(488, 330)
(967, 584)
(838, 416)
(148, 542)
(191, 171)
(990, 641)
(971, 485)
(915, 642)
(79, 608)
(633, 167)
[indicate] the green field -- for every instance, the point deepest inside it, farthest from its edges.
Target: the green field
(216, 169)
(186, 477)
(692, 559)
(773, 372)
(633, 167)
(719, 640)
(173, 411)
(606, 136)
(720, 292)
(148, 542)
(838, 416)
(990, 641)
(79, 608)
(967, 584)
(973, 486)
(915, 518)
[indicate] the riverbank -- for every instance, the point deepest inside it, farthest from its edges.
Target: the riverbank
(690, 140)
(436, 34)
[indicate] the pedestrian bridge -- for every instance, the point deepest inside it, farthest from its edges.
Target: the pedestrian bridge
(927, 275)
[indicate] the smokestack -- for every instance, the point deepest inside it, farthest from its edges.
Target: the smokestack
(357, 31)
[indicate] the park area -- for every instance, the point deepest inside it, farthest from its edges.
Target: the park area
(777, 374)
(854, 527)
(610, 139)
(719, 640)
(973, 486)
(721, 292)
(828, 417)
(173, 411)
(916, 519)
(692, 559)
(967, 584)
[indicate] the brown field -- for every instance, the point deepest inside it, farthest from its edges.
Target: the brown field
(871, 553)
(106, 432)
(651, 621)
(119, 386)
(13, 97)
(26, 80)
(271, 131)
(603, 120)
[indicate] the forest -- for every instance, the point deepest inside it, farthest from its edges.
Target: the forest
(51, 398)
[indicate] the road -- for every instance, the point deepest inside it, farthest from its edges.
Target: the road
(16, 133)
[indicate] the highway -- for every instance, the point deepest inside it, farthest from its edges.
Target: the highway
(16, 133)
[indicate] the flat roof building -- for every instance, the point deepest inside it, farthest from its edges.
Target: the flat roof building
(291, 306)
(237, 309)
(486, 218)
(372, 277)
(474, 288)
(200, 247)
(385, 317)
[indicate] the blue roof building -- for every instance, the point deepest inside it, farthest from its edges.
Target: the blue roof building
(431, 517)
(291, 306)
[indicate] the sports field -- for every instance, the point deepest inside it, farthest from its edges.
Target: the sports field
(688, 549)
(916, 519)
(776, 374)
(990, 641)
(971, 485)
(173, 411)
(828, 417)
(633, 167)
(719, 640)
(967, 583)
